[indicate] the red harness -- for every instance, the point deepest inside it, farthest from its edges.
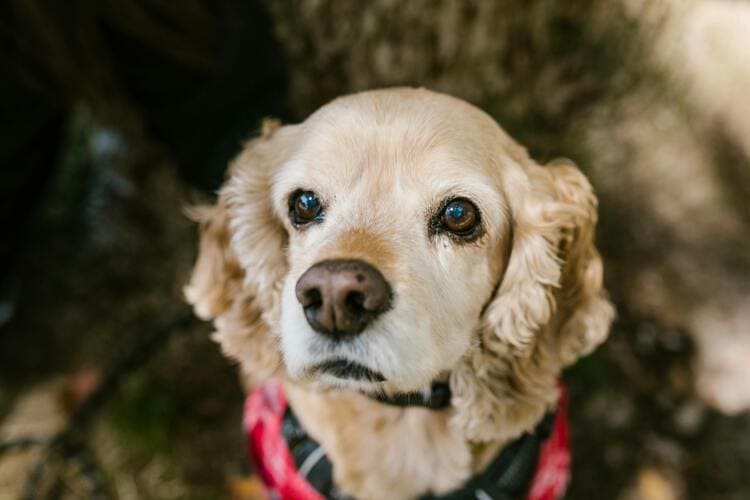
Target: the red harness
(264, 411)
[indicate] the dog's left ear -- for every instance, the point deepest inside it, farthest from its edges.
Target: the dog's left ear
(554, 269)
(582, 301)
(550, 307)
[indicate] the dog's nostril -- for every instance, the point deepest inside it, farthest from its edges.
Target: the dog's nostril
(312, 298)
(355, 302)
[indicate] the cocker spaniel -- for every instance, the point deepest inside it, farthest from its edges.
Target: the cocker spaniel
(395, 239)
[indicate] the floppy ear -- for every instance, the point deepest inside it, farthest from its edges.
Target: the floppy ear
(236, 280)
(554, 267)
(549, 309)
(584, 306)
(217, 276)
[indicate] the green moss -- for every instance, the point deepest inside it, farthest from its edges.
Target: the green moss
(144, 414)
(67, 191)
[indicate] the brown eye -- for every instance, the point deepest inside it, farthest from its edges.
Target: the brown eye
(460, 217)
(304, 207)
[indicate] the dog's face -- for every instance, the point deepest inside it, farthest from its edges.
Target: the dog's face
(397, 221)
(397, 237)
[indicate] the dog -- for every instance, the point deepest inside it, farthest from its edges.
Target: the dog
(395, 241)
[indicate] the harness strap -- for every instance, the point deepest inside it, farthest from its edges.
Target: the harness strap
(509, 476)
(268, 450)
(535, 466)
(310, 458)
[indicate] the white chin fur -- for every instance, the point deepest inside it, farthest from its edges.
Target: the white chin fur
(327, 381)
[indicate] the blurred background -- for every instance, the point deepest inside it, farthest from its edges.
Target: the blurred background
(117, 114)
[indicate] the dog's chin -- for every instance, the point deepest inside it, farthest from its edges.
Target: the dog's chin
(339, 373)
(328, 382)
(332, 382)
(345, 374)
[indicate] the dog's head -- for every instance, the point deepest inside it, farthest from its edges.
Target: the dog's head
(397, 237)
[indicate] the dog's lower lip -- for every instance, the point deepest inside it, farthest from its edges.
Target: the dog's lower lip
(343, 368)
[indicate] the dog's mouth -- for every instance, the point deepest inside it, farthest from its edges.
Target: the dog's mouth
(345, 369)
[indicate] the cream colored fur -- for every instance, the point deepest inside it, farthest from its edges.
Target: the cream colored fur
(500, 316)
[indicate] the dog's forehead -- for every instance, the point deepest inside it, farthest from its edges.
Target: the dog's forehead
(406, 124)
(402, 151)
(398, 136)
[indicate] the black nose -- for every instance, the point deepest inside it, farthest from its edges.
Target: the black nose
(340, 297)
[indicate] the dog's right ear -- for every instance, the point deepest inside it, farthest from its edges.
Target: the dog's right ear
(237, 277)
(217, 276)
